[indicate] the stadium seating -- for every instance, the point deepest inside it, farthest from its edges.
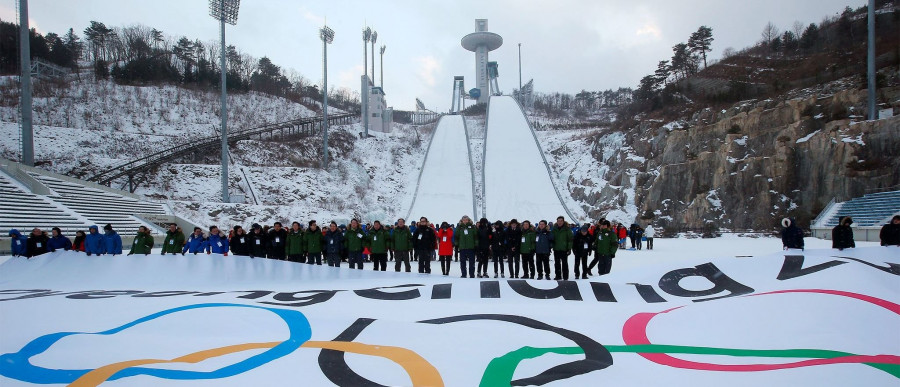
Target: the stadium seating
(869, 210)
(24, 211)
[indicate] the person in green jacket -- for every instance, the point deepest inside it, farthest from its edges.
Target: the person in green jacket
(379, 242)
(143, 242)
(354, 241)
(313, 240)
(562, 245)
(174, 240)
(605, 245)
(401, 244)
(465, 238)
(529, 236)
(294, 244)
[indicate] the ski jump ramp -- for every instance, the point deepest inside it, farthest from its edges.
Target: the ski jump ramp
(517, 181)
(444, 192)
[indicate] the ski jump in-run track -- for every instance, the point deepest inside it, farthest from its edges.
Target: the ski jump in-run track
(517, 183)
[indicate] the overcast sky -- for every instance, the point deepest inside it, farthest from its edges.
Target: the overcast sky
(567, 45)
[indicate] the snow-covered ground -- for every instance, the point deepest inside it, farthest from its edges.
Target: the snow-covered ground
(517, 184)
(732, 311)
(445, 189)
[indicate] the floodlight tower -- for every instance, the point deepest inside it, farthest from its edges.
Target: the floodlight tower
(225, 11)
(364, 93)
(374, 38)
(25, 84)
(481, 42)
(381, 66)
(327, 36)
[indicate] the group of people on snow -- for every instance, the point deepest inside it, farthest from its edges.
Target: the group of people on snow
(841, 235)
(93, 243)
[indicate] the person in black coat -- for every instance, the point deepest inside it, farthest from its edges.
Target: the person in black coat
(277, 239)
(257, 242)
(498, 247)
(582, 245)
(483, 251)
(334, 242)
(238, 241)
(37, 243)
(890, 233)
(513, 247)
(424, 243)
(842, 235)
(791, 235)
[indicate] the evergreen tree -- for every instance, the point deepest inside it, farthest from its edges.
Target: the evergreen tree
(701, 42)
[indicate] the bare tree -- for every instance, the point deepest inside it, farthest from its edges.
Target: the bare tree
(769, 33)
(797, 28)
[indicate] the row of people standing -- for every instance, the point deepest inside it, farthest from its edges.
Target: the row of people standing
(39, 242)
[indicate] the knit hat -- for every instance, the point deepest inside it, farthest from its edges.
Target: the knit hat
(108, 227)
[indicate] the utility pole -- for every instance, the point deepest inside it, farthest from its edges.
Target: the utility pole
(225, 11)
(327, 35)
(383, 47)
(872, 108)
(374, 38)
(25, 85)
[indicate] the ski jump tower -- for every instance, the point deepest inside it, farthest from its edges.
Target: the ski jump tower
(481, 42)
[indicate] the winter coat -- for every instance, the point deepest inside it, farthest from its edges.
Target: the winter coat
(378, 241)
(527, 241)
(498, 241)
(314, 240)
(294, 245)
(59, 242)
(142, 244)
(514, 240)
(277, 242)
(401, 240)
(606, 243)
(354, 240)
(256, 244)
(334, 241)
(582, 244)
(445, 241)
(424, 239)
(484, 237)
(465, 237)
(217, 244)
(792, 236)
(173, 243)
(543, 240)
(649, 232)
(238, 244)
(621, 232)
(113, 243)
(562, 238)
(890, 235)
(842, 237)
(37, 245)
(195, 244)
(78, 244)
(94, 243)
(637, 233)
(18, 243)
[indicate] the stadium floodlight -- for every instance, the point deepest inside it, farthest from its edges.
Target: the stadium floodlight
(374, 38)
(327, 36)
(225, 11)
(382, 66)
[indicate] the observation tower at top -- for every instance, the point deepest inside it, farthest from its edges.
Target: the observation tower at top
(481, 42)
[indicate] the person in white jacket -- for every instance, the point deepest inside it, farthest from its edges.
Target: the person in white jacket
(648, 233)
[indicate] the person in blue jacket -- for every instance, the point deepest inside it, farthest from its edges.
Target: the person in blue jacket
(196, 243)
(216, 243)
(94, 242)
(58, 241)
(18, 243)
(112, 241)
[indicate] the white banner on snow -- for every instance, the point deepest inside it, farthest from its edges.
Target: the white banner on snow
(819, 317)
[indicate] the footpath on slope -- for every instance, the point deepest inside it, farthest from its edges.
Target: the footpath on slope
(517, 183)
(444, 192)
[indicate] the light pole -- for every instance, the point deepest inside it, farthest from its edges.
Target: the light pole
(374, 38)
(25, 80)
(383, 47)
(364, 97)
(871, 65)
(225, 11)
(327, 35)
(520, 72)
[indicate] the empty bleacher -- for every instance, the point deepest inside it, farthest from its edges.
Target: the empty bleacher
(867, 211)
(99, 206)
(24, 211)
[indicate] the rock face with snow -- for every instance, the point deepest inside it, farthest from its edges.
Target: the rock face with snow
(743, 167)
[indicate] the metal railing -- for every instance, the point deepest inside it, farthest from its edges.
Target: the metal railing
(155, 159)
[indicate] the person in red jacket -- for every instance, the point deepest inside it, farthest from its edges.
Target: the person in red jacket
(78, 244)
(445, 247)
(622, 233)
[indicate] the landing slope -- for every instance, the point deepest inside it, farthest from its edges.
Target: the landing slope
(516, 182)
(445, 189)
